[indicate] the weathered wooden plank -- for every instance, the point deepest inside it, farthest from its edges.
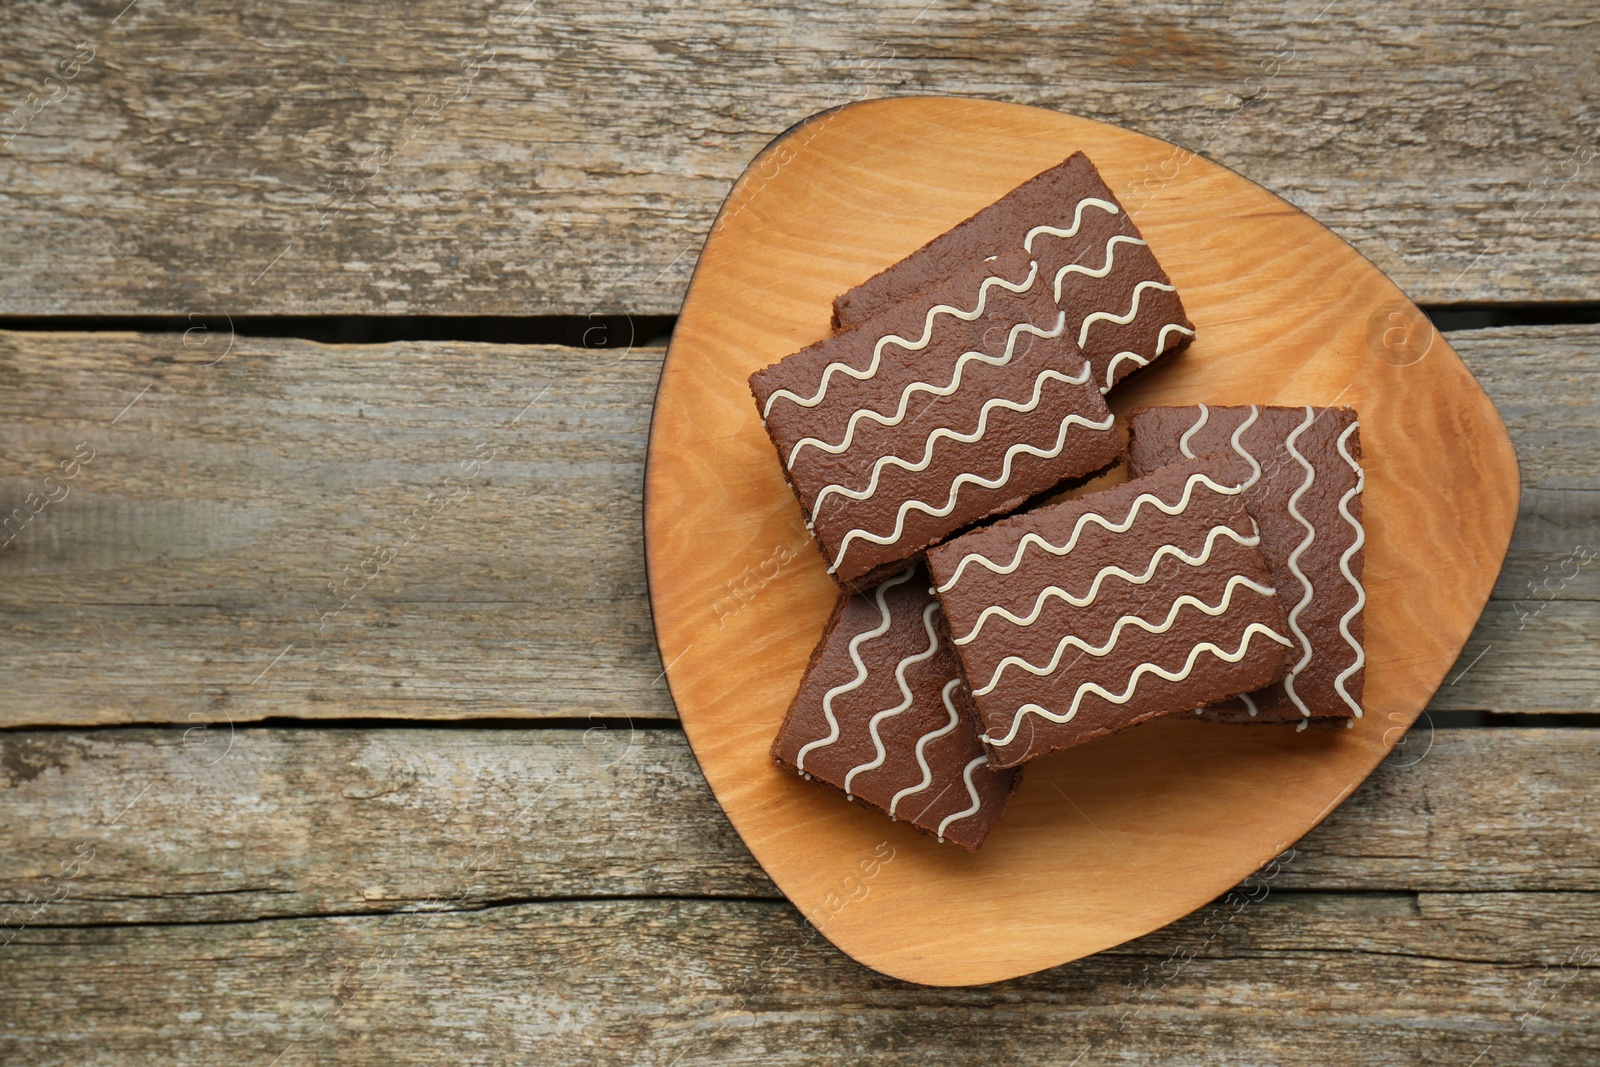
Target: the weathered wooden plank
(449, 530)
(1555, 550)
(1545, 383)
(1535, 648)
(1295, 979)
(1529, 658)
(162, 826)
(201, 539)
(497, 158)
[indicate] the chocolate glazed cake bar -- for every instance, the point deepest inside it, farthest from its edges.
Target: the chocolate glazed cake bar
(933, 414)
(880, 717)
(1120, 305)
(1088, 616)
(1304, 490)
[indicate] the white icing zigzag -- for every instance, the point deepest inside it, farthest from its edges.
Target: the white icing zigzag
(910, 346)
(1344, 566)
(1083, 333)
(1183, 442)
(1133, 681)
(1077, 221)
(950, 434)
(905, 694)
(969, 479)
(861, 669)
(969, 316)
(972, 794)
(1056, 592)
(1255, 467)
(1238, 446)
(1091, 272)
(922, 743)
(1124, 319)
(928, 387)
(1161, 346)
(1294, 563)
(1083, 520)
(1161, 339)
(1125, 621)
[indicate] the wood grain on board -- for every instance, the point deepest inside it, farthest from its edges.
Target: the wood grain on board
(1296, 979)
(297, 530)
(173, 825)
(567, 157)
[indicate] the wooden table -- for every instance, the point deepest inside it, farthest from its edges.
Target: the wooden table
(335, 728)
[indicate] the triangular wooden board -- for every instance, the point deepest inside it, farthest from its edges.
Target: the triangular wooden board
(1119, 837)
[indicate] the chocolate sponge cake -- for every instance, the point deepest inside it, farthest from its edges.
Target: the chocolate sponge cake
(954, 406)
(1121, 306)
(880, 716)
(1304, 490)
(1088, 616)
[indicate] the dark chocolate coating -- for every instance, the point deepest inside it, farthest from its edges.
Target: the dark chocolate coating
(953, 742)
(1158, 440)
(1224, 571)
(1051, 199)
(1068, 413)
(1236, 712)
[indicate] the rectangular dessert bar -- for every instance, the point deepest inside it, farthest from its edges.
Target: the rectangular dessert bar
(880, 716)
(1304, 490)
(1121, 307)
(1088, 616)
(933, 414)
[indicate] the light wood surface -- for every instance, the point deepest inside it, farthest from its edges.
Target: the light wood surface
(1286, 313)
(313, 156)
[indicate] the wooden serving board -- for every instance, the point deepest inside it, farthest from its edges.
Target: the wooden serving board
(1115, 838)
